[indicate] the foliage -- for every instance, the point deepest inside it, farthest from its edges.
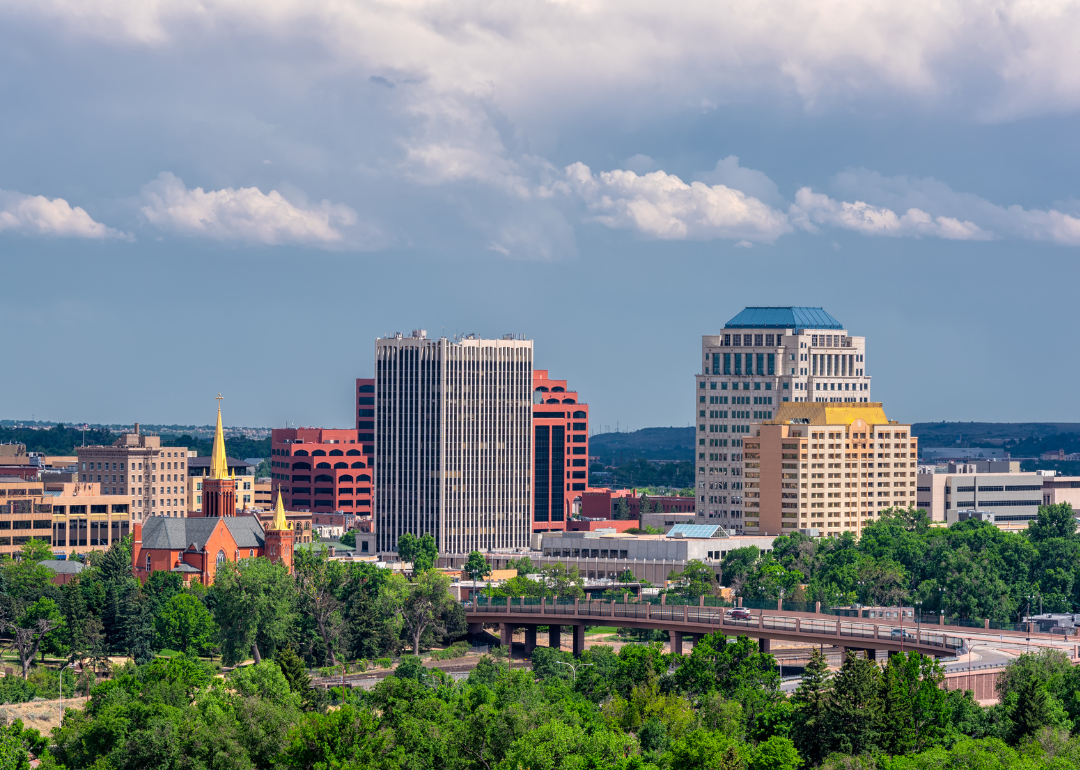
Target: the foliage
(349, 539)
(420, 551)
(184, 624)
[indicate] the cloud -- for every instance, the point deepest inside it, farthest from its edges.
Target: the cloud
(37, 215)
(1007, 58)
(728, 172)
(244, 214)
(812, 209)
(928, 194)
(660, 205)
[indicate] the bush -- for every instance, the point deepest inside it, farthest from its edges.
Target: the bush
(456, 650)
(384, 662)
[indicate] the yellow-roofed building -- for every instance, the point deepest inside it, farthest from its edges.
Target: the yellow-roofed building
(829, 467)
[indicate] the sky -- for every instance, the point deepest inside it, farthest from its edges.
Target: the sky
(240, 196)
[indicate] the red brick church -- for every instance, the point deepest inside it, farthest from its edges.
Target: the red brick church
(195, 547)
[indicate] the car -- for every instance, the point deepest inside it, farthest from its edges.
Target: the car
(739, 614)
(896, 634)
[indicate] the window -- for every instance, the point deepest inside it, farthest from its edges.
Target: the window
(727, 365)
(738, 362)
(772, 363)
(712, 386)
(758, 340)
(769, 340)
(220, 558)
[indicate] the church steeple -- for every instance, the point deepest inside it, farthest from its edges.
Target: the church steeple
(280, 522)
(219, 466)
(219, 488)
(279, 538)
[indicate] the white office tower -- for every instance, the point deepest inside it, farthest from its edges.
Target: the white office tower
(453, 425)
(765, 356)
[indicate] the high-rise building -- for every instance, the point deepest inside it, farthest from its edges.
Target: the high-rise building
(76, 516)
(453, 438)
(560, 451)
(766, 356)
(152, 477)
(832, 467)
(321, 469)
(365, 413)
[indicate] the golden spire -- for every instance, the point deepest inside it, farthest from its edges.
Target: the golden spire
(218, 464)
(280, 522)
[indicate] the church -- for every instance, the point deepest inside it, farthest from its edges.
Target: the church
(197, 547)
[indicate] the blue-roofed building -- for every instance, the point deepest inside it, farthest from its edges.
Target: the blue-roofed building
(763, 357)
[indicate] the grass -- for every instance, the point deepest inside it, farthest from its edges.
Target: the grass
(601, 630)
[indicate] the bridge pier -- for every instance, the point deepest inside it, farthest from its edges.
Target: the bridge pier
(530, 640)
(554, 637)
(764, 645)
(506, 635)
(676, 642)
(579, 640)
(697, 638)
(871, 654)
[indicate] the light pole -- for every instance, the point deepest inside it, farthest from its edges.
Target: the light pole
(575, 668)
(65, 668)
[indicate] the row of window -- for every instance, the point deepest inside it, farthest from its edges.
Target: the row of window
(317, 453)
(744, 363)
(752, 340)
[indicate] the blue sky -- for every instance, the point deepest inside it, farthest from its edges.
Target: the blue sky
(239, 196)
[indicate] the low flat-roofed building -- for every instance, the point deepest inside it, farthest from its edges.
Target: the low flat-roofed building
(73, 517)
(607, 554)
(1061, 489)
(1013, 499)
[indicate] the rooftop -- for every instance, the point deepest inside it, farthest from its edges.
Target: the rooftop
(824, 413)
(204, 462)
(783, 318)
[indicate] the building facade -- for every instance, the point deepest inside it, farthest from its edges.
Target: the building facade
(560, 451)
(453, 432)
(1012, 497)
(830, 467)
(365, 413)
(242, 472)
(321, 469)
(136, 466)
(74, 517)
(766, 356)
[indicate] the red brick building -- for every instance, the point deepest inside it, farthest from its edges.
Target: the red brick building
(321, 470)
(560, 451)
(197, 547)
(365, 413)
(601, 503)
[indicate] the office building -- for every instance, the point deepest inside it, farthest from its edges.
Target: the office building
(560, 451)
(765, 357)
(1009, 497)
(321, 469)
(829, 467)
(453, 433)
(365, 413)
(136, 466)
(74, 517)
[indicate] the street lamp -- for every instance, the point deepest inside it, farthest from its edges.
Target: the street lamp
(575, 668)
(65, 668)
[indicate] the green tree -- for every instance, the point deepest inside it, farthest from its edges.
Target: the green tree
(420, 551)
(855, 706)
(523, 565)
(422, 604)
(1053, 521)
(703, 750)
(915, 713)
(776, 753)
(45, 609)
(292, 668)
(349, 539)
(254, 606)
(476, 567)
(184, 624)
(737, 565)
(564, 582)
(811, 702)
(25, 580)
(696, 579)
(622, 509)
(319, 581)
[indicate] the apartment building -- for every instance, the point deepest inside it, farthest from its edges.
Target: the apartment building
(765, 357)
(830, 467)
(321, 469)
(453, 429)
(560, 451)
(995, 487)
(199, 471)
(136, 466)
(74, 517)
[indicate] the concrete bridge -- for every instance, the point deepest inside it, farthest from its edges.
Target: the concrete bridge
(764, 625)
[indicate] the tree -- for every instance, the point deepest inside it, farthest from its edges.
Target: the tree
(476, 567)
(46, 609)
(292, 668)
(1054, 521)
(421, 552)
(915, 713)
(855, 706)
(697, 579)
(643, 505)
(184, 624)
(254, 607)
(627, 576)
(523, 565)
(422, 603)
(564, 582)
(622, 509)
(25, 580)
(318, 582)
(777, 753)
(811, 702)
(349, 539)
(28, 639)
(738, 563)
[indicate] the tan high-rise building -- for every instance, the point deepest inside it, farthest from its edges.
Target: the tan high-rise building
(72, 516)
(830, 467)
(136, 466)
(765, 357)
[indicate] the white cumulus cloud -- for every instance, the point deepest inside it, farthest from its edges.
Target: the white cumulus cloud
(661, 205)
(243, 214)
(812, 209)
(38, 215)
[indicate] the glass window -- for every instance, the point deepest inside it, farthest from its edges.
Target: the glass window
(712, 386)
(736, 340)
(759, 340)
(761, 363)
(769, 340)
(746, 340)
(727, 363)
(772, 363)
(727, 340)
(738, 363)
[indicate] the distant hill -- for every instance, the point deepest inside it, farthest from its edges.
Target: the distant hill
(647, 443)
(941, 434)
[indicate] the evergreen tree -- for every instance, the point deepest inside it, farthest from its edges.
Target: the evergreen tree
(622, 509)
(141, 632)
(855, 706)
(811, 701)
(1032, 711)
(897, 731)
(73, 607)
(292, 668)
